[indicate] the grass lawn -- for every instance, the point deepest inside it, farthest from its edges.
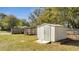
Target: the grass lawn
(21, 42)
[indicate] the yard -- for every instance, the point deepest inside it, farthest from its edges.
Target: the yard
(20, 42)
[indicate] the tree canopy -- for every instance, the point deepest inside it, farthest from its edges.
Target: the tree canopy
(9, 21)
(67, 16)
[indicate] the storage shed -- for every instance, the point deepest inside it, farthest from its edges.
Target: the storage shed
(50, 33)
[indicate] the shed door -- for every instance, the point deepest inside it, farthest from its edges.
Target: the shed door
(47, 34)
(40, 33)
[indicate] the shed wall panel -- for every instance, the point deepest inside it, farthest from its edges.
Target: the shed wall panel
(47, 33)
(40, 33)
(53, 34)
(60, 33)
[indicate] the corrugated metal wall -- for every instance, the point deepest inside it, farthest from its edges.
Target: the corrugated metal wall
(47, 33)
(51, 33)
(40, 33)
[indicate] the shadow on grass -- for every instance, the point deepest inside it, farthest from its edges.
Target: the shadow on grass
(69, 41)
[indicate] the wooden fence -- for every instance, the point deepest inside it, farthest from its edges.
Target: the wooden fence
(73, 31)
(30, 31)
(17, 31)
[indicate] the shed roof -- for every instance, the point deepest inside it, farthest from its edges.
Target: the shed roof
(55, 25)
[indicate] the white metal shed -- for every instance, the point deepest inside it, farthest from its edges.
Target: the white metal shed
(50, 33)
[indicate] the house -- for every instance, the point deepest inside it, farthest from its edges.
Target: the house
(50, 33)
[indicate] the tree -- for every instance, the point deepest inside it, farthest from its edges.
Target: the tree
(2, 15)
(8, 22)
(67, 16)
(48, 15)
(71, 15)
(33, 17)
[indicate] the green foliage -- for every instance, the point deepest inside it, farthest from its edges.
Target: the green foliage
(67, 16)
(9, 22)
(2, 15)
(33, 17)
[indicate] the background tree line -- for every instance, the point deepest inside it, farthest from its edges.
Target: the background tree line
(9, 21)
(67, 16)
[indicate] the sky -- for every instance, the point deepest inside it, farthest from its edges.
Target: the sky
(19, 12)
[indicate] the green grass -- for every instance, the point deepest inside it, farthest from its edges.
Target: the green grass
(21, 42)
